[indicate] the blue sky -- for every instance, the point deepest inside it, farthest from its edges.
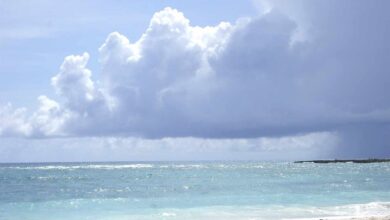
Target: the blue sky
(193, 80)
(36, 36)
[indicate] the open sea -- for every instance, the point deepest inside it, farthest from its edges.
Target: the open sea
(192, 190)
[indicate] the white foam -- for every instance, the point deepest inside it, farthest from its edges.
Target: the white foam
(185, 166)
(271, 212)
(94, 166)
(354, 211)
(168, 214)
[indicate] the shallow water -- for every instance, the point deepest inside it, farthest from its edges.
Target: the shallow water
(192, 190)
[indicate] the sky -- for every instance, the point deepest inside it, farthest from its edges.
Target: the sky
(194, 80)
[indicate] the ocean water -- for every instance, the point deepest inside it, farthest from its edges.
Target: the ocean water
(193, 190)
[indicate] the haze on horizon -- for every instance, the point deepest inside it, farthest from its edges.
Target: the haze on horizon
(194, 80)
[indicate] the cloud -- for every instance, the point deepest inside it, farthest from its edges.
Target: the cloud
(49, 119)
(294, 69)
(13, 121)
(183, 148)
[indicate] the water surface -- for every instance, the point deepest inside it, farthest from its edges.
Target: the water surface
(192, 190)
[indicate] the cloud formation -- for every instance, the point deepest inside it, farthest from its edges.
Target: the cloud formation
(294, 69)
(185, 148)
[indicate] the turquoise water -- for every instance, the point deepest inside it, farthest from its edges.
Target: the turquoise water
(192, 190)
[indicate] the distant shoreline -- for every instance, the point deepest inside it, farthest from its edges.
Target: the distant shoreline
(345, 161)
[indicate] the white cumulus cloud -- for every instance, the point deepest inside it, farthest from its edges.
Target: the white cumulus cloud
(289, 71)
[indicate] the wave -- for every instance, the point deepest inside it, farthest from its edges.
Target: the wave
(213, 166)
(74, 167)
(136, 166)
(353, 211)
(126, 209)
(174, 165)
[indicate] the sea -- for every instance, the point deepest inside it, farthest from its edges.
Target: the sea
(192, 190)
